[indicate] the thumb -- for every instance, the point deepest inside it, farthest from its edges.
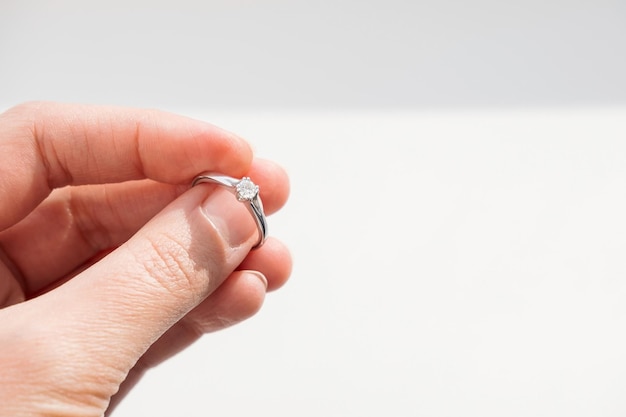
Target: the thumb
(106, 317)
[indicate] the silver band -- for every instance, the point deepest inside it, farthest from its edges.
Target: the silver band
(246, 191)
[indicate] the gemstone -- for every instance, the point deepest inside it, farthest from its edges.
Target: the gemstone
(246, 189)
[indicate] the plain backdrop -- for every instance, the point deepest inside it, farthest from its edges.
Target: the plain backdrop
(458, 192)
(285, 54)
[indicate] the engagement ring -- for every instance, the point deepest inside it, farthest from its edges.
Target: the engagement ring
(246, 192)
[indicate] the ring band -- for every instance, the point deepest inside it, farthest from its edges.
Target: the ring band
(246, 192)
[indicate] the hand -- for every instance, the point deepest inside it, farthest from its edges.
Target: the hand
(109, 262)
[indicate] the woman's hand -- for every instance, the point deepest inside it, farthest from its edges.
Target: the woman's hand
(109, 262)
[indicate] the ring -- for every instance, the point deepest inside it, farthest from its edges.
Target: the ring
(246, 192)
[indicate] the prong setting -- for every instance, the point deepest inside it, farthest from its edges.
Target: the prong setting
(246, 189)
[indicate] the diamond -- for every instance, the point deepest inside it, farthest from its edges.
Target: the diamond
(246, 189)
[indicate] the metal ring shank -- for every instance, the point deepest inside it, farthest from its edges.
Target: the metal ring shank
(255, 203)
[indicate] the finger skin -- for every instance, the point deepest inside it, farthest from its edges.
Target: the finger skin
(105, 318)
(75, 223)
(50, 145)
(264, 260)
(237, 299)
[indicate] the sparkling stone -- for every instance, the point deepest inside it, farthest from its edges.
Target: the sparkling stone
(246, 189)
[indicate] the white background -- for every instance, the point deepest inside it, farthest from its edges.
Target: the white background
(458, 174)
(298, 53)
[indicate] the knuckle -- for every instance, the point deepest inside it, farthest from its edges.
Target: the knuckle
(169, 266)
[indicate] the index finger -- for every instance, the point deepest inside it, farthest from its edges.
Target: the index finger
(49, 145)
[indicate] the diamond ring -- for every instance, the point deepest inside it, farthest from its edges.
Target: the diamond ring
(246, 192)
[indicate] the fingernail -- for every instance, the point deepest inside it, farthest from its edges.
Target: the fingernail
(260, 276)
(229, 217)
